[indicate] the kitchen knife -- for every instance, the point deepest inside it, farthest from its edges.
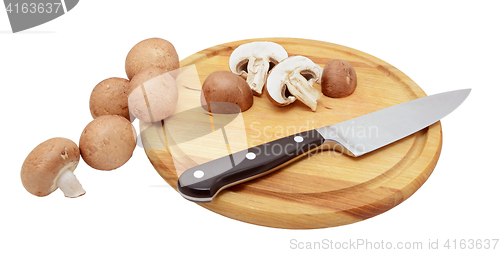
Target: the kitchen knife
(202, 183)
(212, 135)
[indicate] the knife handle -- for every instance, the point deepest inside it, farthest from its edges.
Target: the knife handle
(201, 183)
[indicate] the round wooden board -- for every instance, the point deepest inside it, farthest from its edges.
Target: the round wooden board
(326, 189)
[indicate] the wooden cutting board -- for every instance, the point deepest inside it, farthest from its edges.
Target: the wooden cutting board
(326, 189)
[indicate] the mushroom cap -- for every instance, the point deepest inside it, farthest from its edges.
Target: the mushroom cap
(110, 97)
(107, 142)
(339, 79)
(279, 76)
(144, 76)
(222, 89)
(46, 162)
(152, 52)
(160, 97)
(257, 49)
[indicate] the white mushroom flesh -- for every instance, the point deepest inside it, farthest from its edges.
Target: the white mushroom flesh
(252, 62)
(68, 183)
(297, 74)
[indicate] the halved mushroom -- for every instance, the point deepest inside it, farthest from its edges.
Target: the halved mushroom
(295, 75)
(253, 61)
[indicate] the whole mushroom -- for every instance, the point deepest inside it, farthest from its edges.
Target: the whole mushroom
(152, 52)
(110, 97)
(225, 92)
(143, 76)
(107, 142)
(153, 95)
(49, 166)
(253, 61)
(339, 79)
(293, 78)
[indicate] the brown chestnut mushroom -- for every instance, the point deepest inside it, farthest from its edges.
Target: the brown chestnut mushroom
(110, 97)
(338, 79)
(107, 142)
(222, 90)
(49, 166)
(153, 95)
(143, 76)
(153, 52)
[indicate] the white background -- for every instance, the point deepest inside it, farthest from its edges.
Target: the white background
(48, 73)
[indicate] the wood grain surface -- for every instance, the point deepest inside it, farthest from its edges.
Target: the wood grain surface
(321, 190)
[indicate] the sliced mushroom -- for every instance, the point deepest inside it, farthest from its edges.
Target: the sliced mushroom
(295, 75)
(253, 61)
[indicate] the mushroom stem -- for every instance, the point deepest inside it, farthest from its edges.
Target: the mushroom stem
(69, 184)
(299, 87)
(257, 73)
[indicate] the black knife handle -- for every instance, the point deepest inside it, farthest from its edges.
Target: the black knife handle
(201, 183)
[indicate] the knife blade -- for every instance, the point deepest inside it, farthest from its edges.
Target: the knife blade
(203, 182)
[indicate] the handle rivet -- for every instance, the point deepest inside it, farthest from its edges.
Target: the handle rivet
(298, 139)
(250, 156)
(198, 174)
